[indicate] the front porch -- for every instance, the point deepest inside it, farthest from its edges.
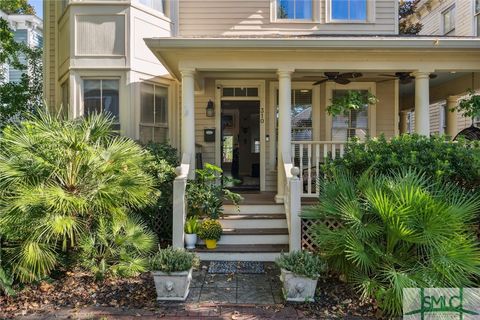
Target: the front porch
(287, 85)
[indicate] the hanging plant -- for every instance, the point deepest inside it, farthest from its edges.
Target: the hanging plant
(470, 106)
(352, 100)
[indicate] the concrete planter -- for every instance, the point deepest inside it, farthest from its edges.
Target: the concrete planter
(297, 288)
(190, 240)
(172, 286)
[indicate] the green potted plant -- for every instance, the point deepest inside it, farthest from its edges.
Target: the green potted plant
(299, 273)
(470, 106)
(172, 273)
(210, 230)
(351, 100)
(191, 230)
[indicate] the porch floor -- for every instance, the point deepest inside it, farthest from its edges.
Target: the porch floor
(265, 198)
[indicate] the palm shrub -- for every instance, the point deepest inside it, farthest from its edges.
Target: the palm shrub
(117, 248)
(59, 179)
(397, 231)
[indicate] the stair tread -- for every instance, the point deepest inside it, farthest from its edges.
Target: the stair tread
(244, 248)
(255, 231)
(249, 216)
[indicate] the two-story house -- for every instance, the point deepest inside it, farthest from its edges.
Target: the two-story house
(448, 18)
(246, 84)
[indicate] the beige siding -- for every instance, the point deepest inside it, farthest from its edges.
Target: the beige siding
(386, 109)
(431, 18)
(253, 17)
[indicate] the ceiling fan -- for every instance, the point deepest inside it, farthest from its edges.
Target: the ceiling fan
(405, 77)
(340, 78)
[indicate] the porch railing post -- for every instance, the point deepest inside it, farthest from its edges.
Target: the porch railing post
(179, 201)
(295, 210)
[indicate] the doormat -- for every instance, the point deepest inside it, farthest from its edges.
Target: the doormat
(236, 267)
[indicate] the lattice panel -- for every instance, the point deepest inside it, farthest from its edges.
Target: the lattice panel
(307, 238)
(162, 225)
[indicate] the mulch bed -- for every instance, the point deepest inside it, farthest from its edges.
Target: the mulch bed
(77, 290)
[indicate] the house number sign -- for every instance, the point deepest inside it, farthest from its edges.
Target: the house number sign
(262, 113)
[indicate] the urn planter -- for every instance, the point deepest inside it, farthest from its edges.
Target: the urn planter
(173, 286)
(297, 288)
(190, 240)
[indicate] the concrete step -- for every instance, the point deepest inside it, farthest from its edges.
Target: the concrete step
(254, 221)
(253, 209)
(247, 252)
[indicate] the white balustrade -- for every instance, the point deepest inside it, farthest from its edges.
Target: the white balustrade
(179, 201)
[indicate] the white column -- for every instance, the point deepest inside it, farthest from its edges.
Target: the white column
(422, 103)
(284, 127)
(188, 118)
(404, 121)
(451, 120)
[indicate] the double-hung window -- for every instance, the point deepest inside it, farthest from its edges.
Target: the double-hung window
(294, 9)
(448, 21)
(153, 113)
(352, 124)
(477, 17)
(158, 5)
(102, 96)
(349, 10)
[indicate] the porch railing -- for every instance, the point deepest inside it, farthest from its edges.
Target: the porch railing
(179, 201)
(308, 156)
(292, 202)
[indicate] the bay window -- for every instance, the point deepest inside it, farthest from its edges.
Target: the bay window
(153, 113)
(102, 96)
(158, 5)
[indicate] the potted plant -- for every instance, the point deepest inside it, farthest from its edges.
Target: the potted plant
(351, 100)
(191, 230)
(172, 273)
(210, 230)
(299, 273)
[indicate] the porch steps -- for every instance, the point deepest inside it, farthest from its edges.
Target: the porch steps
(251, 232)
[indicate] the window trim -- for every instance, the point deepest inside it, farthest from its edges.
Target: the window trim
(476, 18)
(372, 109)
(371, 12)
(442, 17)
(315, 14)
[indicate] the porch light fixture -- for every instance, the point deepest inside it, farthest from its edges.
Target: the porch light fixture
(210, 111)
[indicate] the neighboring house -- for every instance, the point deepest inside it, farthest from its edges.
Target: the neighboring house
(457, 18)
(245, 85)
(27, 29)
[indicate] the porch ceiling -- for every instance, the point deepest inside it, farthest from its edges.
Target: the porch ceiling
(304, 55)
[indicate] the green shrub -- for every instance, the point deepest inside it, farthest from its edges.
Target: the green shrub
(205, 195)
(397, 231)
(158, 216)
(173, 260)
(117, 248)
(455, 162)
(192, 225)
(58, 180)
(302, 263)
(210, 229)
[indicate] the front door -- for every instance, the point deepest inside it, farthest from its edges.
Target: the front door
(240, 148)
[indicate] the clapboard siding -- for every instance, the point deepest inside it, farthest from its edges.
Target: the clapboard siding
(432, 19)
(233, 17)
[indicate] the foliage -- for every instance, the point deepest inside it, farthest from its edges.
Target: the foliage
(162, 170)
(16, 7)
(210, 229)
(18, 99)
(58, 180)
(351, 100)
(397, 231)
(6, 282)
(405, 9)
(469, 107)
(117, 248)
(192, 225)
(173, 260)
(455, 162)
(302, 263)
(205, 195)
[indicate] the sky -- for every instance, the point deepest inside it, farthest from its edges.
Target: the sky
(38, 5)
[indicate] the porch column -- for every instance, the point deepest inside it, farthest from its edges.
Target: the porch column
(451, 120)
(284, 127)
(188, 118)
(422, 103)
(404, 121)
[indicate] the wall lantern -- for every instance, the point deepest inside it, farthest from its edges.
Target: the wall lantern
(210, 111)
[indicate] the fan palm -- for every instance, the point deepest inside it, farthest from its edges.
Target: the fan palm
(397, 231)
(58, 179)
